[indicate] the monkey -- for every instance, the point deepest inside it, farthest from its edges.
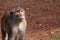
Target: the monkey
(13, 24)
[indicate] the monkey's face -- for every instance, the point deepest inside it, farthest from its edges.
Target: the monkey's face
(18, 14)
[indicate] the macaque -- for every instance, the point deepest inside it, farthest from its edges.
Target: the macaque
(13, 25)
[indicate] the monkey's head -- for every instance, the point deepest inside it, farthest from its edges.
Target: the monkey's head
(18, 14)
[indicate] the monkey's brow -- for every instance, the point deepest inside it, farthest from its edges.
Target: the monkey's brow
(17, 10)
(14, 11)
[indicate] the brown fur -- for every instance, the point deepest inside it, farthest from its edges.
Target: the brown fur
(15, 27)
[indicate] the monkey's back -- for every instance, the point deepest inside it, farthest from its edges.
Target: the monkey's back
(4, 23)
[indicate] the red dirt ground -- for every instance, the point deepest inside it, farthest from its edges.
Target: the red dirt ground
(43, 17)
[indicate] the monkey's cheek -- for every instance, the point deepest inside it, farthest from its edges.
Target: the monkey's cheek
(20, 19)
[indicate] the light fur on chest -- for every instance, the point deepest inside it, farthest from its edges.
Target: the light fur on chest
(20, 27)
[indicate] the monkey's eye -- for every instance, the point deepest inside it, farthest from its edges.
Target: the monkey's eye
(21, 10)
(11, 13)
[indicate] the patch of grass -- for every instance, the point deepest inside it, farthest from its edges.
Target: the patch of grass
(56, 37)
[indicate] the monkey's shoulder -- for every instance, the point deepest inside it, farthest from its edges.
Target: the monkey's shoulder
(5, 17)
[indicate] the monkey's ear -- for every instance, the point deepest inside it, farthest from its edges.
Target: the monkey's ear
(11, 13)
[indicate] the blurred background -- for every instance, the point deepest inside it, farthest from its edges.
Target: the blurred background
(43, 17)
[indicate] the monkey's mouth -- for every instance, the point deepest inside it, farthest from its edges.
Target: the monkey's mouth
(20, 19)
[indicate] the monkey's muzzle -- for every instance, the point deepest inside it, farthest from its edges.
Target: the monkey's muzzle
(19, 19)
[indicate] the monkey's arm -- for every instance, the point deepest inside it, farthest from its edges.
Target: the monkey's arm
(4, 22)
(4, 19)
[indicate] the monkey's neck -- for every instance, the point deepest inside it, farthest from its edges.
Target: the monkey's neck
(18, 22)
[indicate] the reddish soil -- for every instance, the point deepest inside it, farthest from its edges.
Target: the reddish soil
(43, 17)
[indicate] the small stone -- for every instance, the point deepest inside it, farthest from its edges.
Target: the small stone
(27, 8)
(51, 32)
(40, 24)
